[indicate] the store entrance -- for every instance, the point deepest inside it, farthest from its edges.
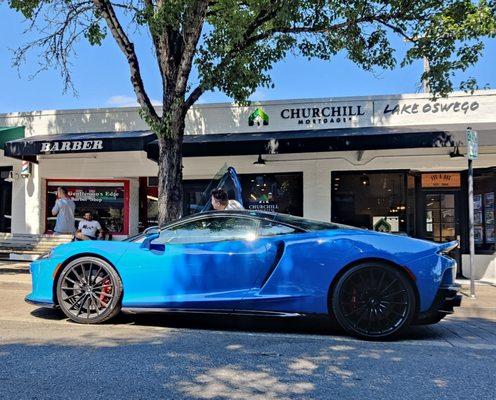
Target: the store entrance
(441, 218)
(5, 200)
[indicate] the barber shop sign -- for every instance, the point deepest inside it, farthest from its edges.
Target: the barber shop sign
(71, 146)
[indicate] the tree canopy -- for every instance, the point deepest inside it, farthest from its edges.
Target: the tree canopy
(238, 41)
(231, 46)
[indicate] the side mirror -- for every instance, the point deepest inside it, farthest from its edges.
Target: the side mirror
(146, 244)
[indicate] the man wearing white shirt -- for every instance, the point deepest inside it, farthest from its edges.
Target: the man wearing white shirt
(88, 228)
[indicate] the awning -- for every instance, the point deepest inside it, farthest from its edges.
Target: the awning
(10, 133)
(307, 141)
(31, 147)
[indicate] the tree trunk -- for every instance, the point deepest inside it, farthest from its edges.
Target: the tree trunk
(170, 174)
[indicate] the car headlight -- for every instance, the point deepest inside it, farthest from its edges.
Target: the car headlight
(46, 255)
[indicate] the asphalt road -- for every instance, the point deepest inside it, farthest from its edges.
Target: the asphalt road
(43, 356)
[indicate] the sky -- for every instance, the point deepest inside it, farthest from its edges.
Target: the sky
(101, 76)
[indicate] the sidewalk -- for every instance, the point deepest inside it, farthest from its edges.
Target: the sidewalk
(483, 306)
(14, 267)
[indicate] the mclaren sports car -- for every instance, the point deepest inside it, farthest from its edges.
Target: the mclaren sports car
(373, 284)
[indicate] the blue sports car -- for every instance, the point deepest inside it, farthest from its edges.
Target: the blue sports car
(373, 284)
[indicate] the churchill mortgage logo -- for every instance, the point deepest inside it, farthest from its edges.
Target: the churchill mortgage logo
(323, 115)
(258, 117)
(71, 146)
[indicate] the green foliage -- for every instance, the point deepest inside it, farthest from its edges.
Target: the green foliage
(26, 7)
(242, 39)
(95, 34)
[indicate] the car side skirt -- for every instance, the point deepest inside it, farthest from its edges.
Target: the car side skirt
(135, 310)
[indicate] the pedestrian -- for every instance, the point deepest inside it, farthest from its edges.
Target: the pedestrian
(88, 228)
(64, 211)
(220, 201)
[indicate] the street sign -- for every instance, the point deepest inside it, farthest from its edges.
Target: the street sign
(472, 144)
(472, 151)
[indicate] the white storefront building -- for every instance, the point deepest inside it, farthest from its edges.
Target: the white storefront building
(379, 162)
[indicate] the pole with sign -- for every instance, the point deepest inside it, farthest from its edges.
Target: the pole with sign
(472, 152)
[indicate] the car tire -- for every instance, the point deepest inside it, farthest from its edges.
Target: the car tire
(374, 301)
(89, 291)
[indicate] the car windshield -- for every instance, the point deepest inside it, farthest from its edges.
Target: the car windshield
(307, 224)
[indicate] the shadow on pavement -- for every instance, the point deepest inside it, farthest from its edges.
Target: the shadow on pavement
(313, 325)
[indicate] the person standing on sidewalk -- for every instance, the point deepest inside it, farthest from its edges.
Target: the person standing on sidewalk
(64, 211)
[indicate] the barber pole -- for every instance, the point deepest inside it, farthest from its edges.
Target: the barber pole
(26, 169)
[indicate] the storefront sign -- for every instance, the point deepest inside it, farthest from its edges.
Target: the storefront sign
(424, 111)
(71, 146)
(280, 116)
(431, 107)
(441, 180)
(323, 115)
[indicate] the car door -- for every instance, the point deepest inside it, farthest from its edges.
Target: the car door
(210, 262)
(226, 178)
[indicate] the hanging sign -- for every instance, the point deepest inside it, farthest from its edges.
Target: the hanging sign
(441, 180)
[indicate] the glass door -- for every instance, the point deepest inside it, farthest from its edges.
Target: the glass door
(441, 219)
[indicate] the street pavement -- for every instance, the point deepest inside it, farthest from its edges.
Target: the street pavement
(44, 356)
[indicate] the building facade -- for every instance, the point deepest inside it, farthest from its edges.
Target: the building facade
(390, 163)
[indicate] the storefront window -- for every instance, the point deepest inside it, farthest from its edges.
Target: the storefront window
(266, 192)
(371, 200)
(282, 193)
(106, 200)
(484, 190)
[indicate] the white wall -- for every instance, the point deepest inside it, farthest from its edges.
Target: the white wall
(231, 118)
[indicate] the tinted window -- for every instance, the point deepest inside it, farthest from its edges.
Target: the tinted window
(210, 230)
(269, 228)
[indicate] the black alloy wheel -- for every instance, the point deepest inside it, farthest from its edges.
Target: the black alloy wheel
(89, 291)
(374, 301)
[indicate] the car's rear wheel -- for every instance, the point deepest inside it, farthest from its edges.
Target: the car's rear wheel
(89, 290)
(374, 301)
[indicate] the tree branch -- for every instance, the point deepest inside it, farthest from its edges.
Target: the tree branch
(250, 40)
(127, 47)
(191, 32)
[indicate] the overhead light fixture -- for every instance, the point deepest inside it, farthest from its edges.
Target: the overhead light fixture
(260, 162)
(10, 177)
(365, 180)
(455, 153)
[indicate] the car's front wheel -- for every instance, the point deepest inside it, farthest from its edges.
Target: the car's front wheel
(374, 301)
(89, 290)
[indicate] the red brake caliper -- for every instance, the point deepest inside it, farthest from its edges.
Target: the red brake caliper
(105, 289)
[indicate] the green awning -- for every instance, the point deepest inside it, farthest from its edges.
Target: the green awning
(12, 133)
